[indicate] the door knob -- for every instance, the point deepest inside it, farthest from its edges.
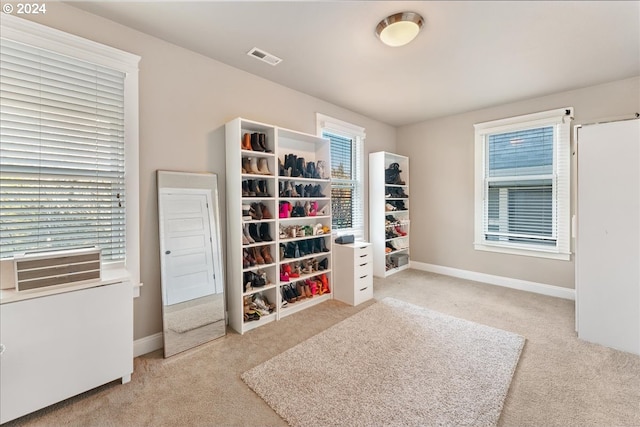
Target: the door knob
(167, 252)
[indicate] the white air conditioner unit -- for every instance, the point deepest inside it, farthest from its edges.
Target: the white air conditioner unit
(43, 269)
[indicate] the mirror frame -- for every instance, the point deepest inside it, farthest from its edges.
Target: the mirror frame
(190, 181)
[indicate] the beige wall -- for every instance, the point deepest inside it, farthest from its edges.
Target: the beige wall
(185, 100)
(442, 181)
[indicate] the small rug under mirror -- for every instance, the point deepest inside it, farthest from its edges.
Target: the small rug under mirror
(393, 363)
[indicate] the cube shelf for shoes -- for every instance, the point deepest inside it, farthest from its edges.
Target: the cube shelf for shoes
(400, 259)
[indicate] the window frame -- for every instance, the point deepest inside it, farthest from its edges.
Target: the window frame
(560, 119)
(37, 35)
(357, 134)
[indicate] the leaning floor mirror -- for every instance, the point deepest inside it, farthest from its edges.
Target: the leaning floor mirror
(193, 303)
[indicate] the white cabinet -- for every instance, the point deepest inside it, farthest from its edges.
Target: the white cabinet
(263, 177)
(608, 235)
(57, 346)
(353, 273)
(389, 212)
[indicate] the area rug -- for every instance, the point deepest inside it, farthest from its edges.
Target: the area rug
(392, 364)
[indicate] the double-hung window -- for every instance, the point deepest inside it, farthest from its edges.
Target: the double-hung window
(347, 199)
(68, 144)
(522, 184)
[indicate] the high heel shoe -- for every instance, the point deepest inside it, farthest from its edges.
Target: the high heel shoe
(323, 264)
(263, 167)
(255, 142)
(246, 142)
(321, 169)
(250, 260)
(266, 255)
(265, 212)
(262, 141)
(263, 190)
(317, 192)
(322, 245)
(256, 255)
(300, 290)
(325, 283)
(284, 209)
(255, 210)
(253, 232)
(294, 272)
(264, 232)
(247, 236)
(307, 289)
(301, 167)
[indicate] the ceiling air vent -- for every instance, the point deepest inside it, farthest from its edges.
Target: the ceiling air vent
(264, 56)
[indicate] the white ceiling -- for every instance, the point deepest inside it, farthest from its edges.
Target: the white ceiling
(469, 55)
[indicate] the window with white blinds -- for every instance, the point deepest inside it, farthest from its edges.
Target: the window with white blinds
(347, 198)
(522, 173)
(62, 163)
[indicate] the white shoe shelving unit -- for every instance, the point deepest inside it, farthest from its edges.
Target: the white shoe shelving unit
(281, 142)
(388, 213)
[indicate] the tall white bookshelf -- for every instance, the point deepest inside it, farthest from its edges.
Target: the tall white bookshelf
(273, 190)
(389, 223)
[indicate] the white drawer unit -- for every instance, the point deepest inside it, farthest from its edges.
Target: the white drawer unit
(56, 346)
(353, 273)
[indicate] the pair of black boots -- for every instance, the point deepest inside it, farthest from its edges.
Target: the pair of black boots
(290, 293)
(395, 192)
(296, 167)
(255, 188)
(259, 142)
(309, 190)
(254, 280)
(392, 175)
(303, 248)
(259, 233)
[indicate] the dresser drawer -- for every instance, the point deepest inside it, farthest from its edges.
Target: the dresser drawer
(363, 290)
(363, 270)
(362, 254)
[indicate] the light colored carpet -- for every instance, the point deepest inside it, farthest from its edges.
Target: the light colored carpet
(393, 363)
(560, 381)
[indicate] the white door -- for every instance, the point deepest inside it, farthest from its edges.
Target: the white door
(186, 246)
(608, 237)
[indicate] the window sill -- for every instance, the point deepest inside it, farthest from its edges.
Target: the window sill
(522, 252)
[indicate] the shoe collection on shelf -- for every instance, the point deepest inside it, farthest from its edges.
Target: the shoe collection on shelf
(279, 222)
(389, 212)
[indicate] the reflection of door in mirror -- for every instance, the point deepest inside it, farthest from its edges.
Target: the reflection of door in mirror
(190, 253)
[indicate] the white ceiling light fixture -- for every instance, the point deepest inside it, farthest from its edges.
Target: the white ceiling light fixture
(400, 28)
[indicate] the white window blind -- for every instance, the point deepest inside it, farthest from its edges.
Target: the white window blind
(347, 193)
(62, 153)
(522, 168)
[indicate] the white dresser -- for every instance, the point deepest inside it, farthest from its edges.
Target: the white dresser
(57, 345)
(353, 272)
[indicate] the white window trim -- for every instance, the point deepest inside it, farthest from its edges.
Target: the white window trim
(340, 127)
(558, 117)
(34, 34)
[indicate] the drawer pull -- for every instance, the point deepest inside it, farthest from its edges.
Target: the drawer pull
(364, 289)
(362, 256)
(362, 277)
(362, 265)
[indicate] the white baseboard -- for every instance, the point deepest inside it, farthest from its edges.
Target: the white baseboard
(507, 282)
(148, 344)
